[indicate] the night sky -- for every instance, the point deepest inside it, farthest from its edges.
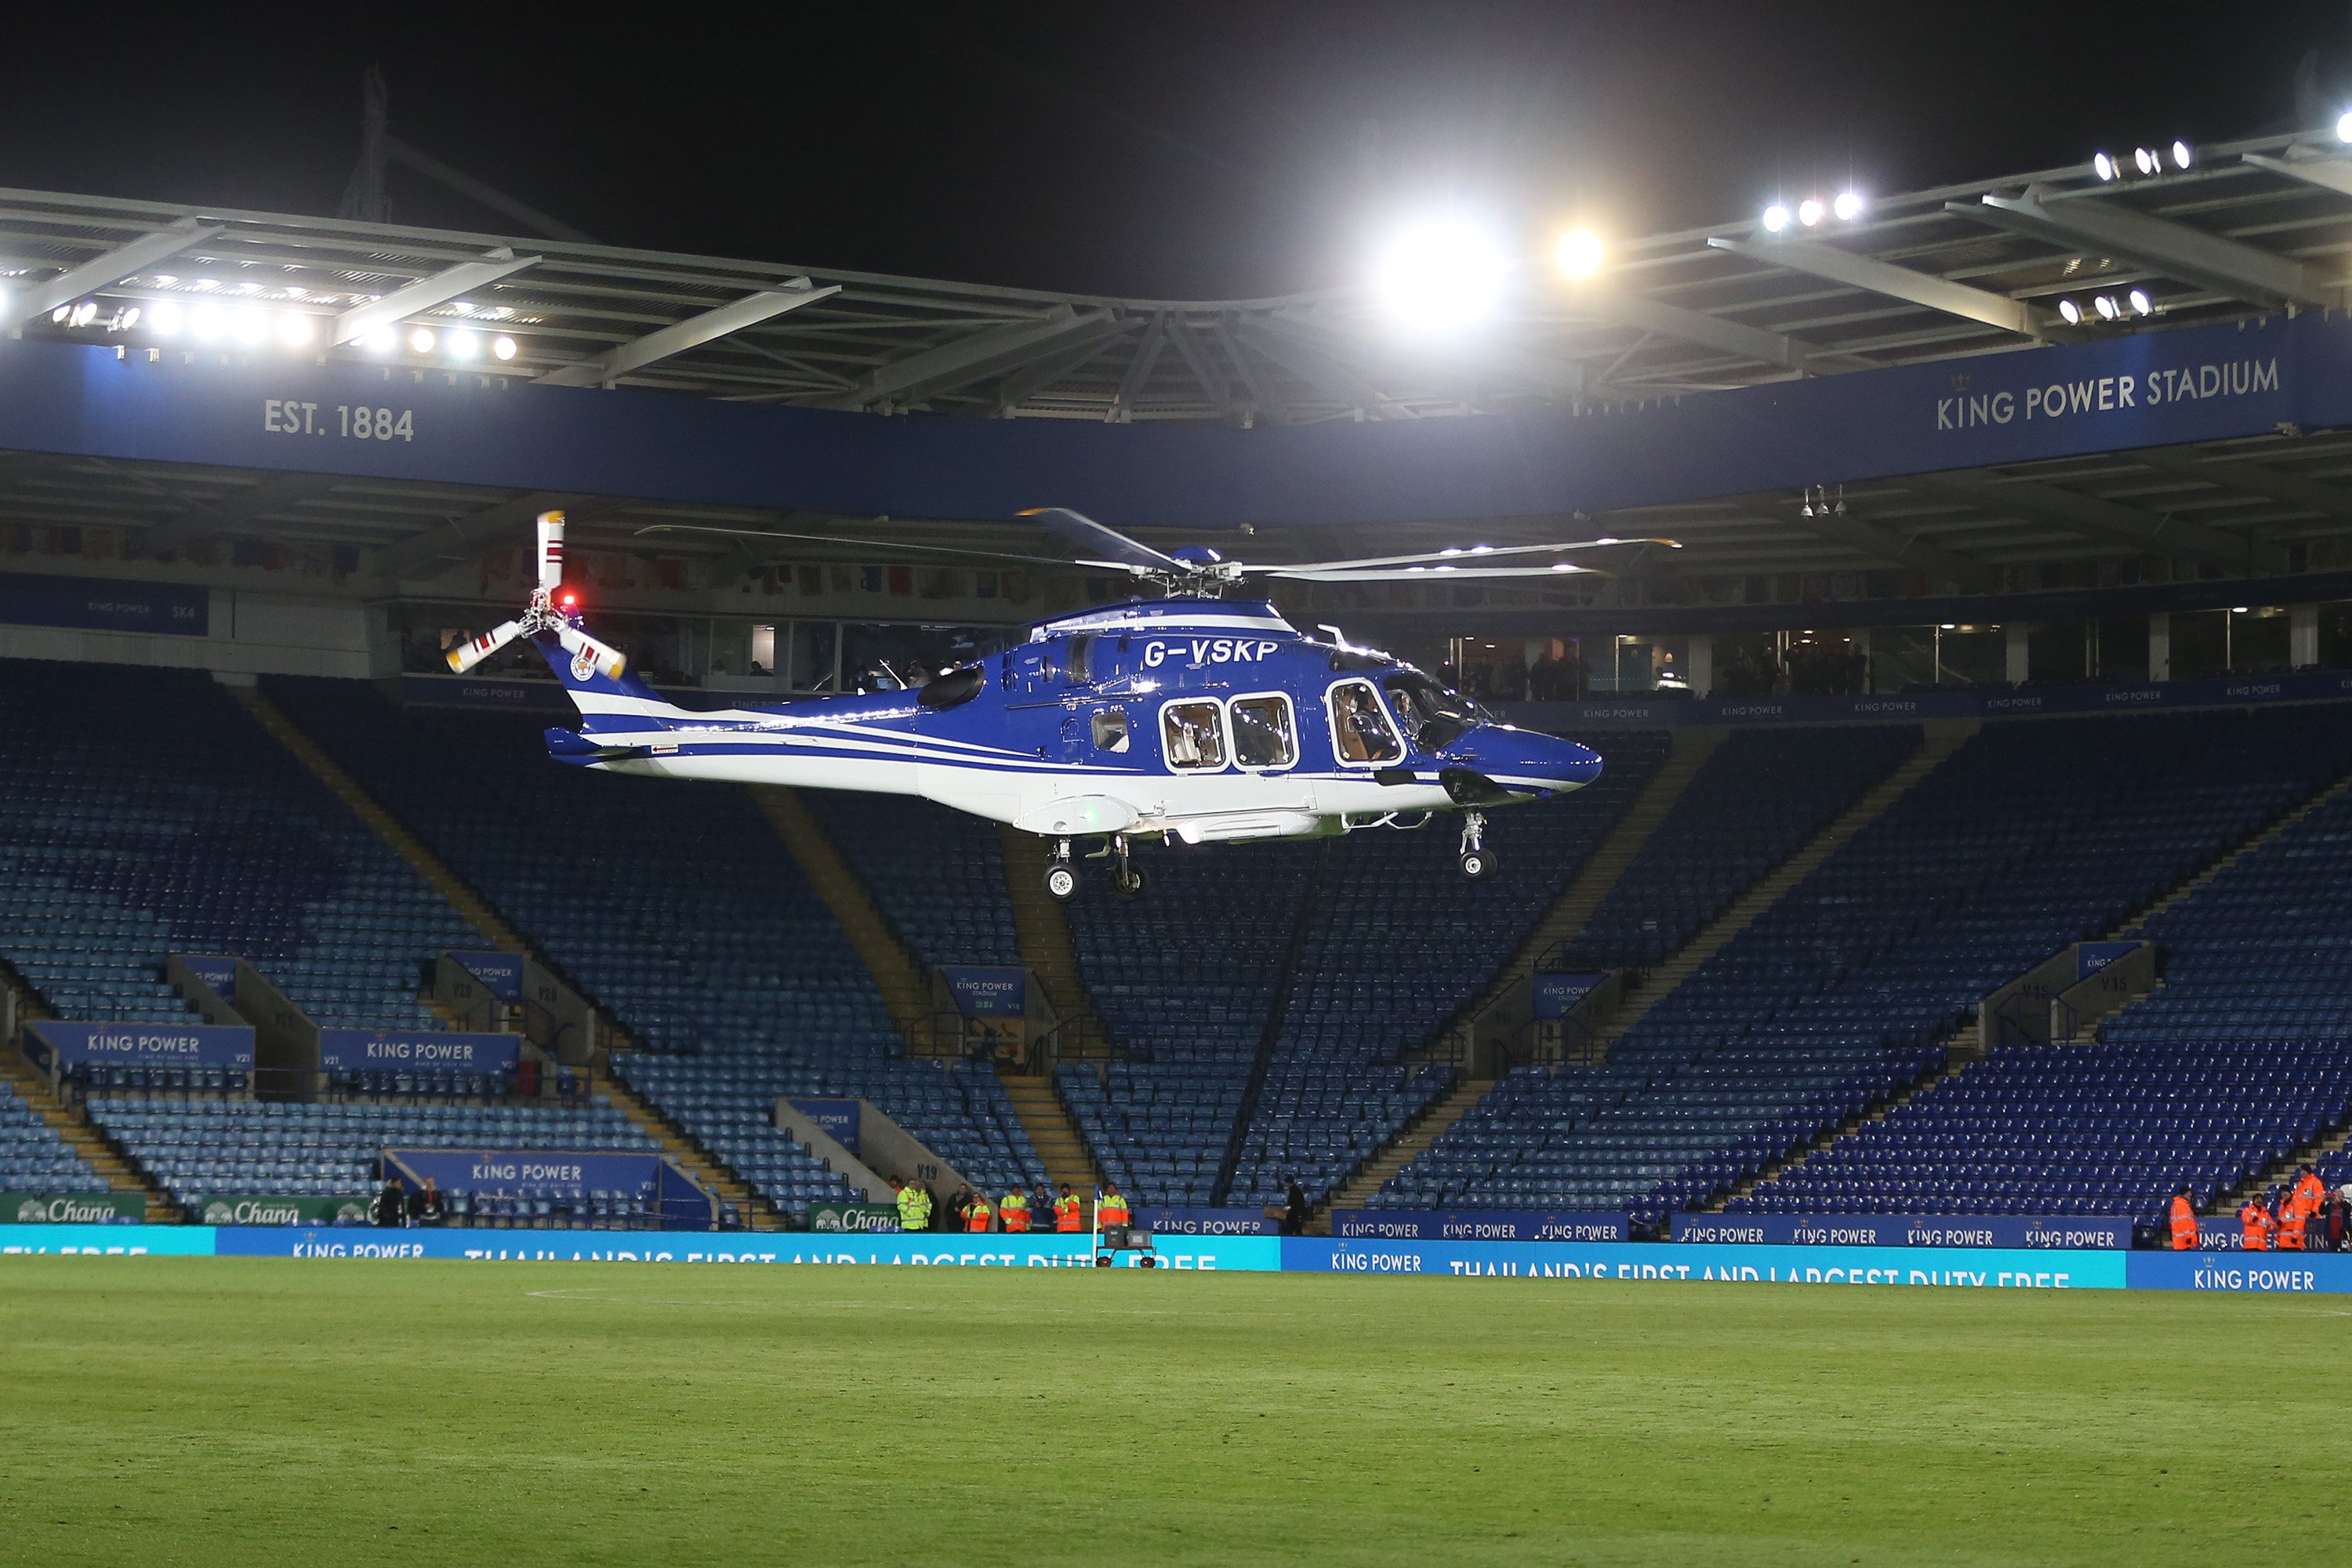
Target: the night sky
(1180, 150)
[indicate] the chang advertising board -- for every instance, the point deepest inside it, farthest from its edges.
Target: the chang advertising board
(233, 1209)
(856, 1219)
(72, 1208)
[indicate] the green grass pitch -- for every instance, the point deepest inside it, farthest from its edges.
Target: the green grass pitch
(242, 1412)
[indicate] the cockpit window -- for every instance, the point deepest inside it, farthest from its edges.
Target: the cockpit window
(1359, 727)
(1264, 736)
(1431, 715)
(1192, 735)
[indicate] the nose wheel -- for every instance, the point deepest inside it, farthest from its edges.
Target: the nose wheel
(1060, 876)
(1477, 860)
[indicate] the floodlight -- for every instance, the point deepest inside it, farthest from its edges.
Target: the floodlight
(1578, 254)
(1848, 206)
(465, 344)
(83, 313)
(2102, 165)
(2105, 305)
(295, 328)
(2344, 127)
(208, 321)
(249, 324)
(126, 320)
(1441, 274)
(1808, 211)
(2145, 160)
(1775, 216)
(2182, 155)
(502, 346)
(2070, 311)
(2141, 304)
(421, 340)
(379, 341)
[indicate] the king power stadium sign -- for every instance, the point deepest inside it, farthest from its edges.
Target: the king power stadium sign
(1969, 407)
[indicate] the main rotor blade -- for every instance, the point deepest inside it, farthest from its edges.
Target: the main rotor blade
(842, 539)
(1087, 534)
(1423, 573)
(550, 549)
(1464, 556)
(465, 655)
(601, 656)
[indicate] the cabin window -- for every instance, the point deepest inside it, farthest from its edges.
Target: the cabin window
(1264, 734)
(1110, 729)
(1192, 735)
(1360, 727)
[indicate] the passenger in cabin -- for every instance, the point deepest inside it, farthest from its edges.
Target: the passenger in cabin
(1351, 730)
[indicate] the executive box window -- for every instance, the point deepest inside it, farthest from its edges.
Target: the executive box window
(1192, 735)
(1264, 735)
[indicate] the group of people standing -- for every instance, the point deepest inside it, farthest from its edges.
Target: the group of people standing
(2306, 1217)
(1017, 1212)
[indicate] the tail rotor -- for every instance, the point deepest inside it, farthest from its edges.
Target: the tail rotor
(547, 612)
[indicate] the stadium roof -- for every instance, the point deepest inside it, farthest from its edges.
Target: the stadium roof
(2249, 228)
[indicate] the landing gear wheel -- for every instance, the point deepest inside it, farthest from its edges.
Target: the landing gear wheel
(1062, 881)
(1477, 863)
(1129, 881)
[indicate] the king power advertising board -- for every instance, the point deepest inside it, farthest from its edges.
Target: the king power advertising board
(1560, 1265)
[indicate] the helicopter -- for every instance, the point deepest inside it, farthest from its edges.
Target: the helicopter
(1192, 717)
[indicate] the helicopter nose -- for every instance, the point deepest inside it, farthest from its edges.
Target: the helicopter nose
(1524, 762)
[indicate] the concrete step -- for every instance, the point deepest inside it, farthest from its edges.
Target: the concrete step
(1601, 872)
(1401, 1151)
(1052, 1132)
(1041, 930)
(70, 1124)
(1943, 740)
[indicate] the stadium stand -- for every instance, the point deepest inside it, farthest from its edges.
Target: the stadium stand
(1311, 974)
(144, 811)
(196, 1145)
(1756, 801)
(937, 875)
(688, 922)
(2034, 835)
(32, 1158)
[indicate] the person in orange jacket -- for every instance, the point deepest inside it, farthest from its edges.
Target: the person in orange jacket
(2183, 1214)
(2256, 1226)
(2293, 1222)
(1014, 1209)
(977, 1215)
(1069, 1212)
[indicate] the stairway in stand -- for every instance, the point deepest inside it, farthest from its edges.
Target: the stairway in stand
(1042, 931)
(68, 1122)
(709, 1173)
(1964, 1047)
(406, 844)
(1399, 1152)
(1052, 1132)
(906, 990)
(1693, 744)
(1943, 740)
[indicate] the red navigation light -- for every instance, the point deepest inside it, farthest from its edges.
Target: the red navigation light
(568, 599)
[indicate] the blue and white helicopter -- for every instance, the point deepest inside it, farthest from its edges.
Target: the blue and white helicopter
(1192, 717)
